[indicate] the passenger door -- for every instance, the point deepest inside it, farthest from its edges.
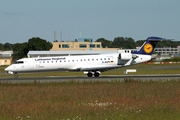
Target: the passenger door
(30, 63)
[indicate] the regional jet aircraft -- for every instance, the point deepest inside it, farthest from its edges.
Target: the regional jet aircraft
(92, 65)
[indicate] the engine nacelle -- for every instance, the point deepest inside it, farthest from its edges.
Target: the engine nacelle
(125, 56)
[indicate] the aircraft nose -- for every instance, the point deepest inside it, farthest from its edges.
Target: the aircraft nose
(8, 68)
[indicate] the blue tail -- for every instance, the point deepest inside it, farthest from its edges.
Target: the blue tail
(148, 46)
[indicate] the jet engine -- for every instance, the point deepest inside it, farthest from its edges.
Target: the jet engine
(127, 56)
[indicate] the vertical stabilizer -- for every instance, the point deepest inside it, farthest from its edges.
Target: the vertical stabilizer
(148, 47)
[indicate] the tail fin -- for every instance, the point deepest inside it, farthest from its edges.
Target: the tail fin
(148, 46)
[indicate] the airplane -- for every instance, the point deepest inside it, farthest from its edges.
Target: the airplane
(92, 65)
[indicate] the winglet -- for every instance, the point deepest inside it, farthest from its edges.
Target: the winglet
(148, 46)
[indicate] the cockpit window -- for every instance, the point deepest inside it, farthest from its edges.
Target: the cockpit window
(19, 62)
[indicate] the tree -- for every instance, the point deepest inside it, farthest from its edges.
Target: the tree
(20, 50)
(37, 43)
(175, 43)
(119, 42)
(1, 46)
(105, 43)
(8, 46)
(139, 43)
(130, 44)
(164, 43)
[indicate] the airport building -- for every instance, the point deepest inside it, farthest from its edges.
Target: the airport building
(5, 57)
(167, 51)
(80, 44)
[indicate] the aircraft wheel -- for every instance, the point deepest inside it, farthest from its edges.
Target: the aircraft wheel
(89, 74)
(15, 75)
(96, 74)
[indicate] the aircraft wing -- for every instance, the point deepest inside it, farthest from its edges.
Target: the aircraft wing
(98, 68)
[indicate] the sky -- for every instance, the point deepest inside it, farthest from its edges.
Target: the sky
(21, 20)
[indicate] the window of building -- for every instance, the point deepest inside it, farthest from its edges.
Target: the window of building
(65, 45)
(98, 46)
(59, 45)
(87, 40)
(82, 46)
(92, 45)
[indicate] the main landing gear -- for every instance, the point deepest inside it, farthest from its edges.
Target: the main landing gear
(96, 74)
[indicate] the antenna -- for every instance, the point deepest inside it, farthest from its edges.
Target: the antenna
(69, 37)
(54, 35)
(61, 35)
(80, 34)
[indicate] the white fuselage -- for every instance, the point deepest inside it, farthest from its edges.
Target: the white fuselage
(88, 63)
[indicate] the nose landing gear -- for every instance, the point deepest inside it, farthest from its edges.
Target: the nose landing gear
(15, 75)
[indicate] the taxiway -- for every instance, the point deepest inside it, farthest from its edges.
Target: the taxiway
(159, 77)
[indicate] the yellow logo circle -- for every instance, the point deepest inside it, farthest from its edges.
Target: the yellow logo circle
(148, 48)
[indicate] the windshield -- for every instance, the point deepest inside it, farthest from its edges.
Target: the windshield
(18, 62)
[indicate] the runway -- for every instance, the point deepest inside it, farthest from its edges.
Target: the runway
(161, 77)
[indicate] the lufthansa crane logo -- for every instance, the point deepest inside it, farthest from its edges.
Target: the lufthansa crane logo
(148, 48)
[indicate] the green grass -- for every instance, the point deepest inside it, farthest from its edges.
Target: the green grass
(133, 100)
(174, 59)
(128, 100)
